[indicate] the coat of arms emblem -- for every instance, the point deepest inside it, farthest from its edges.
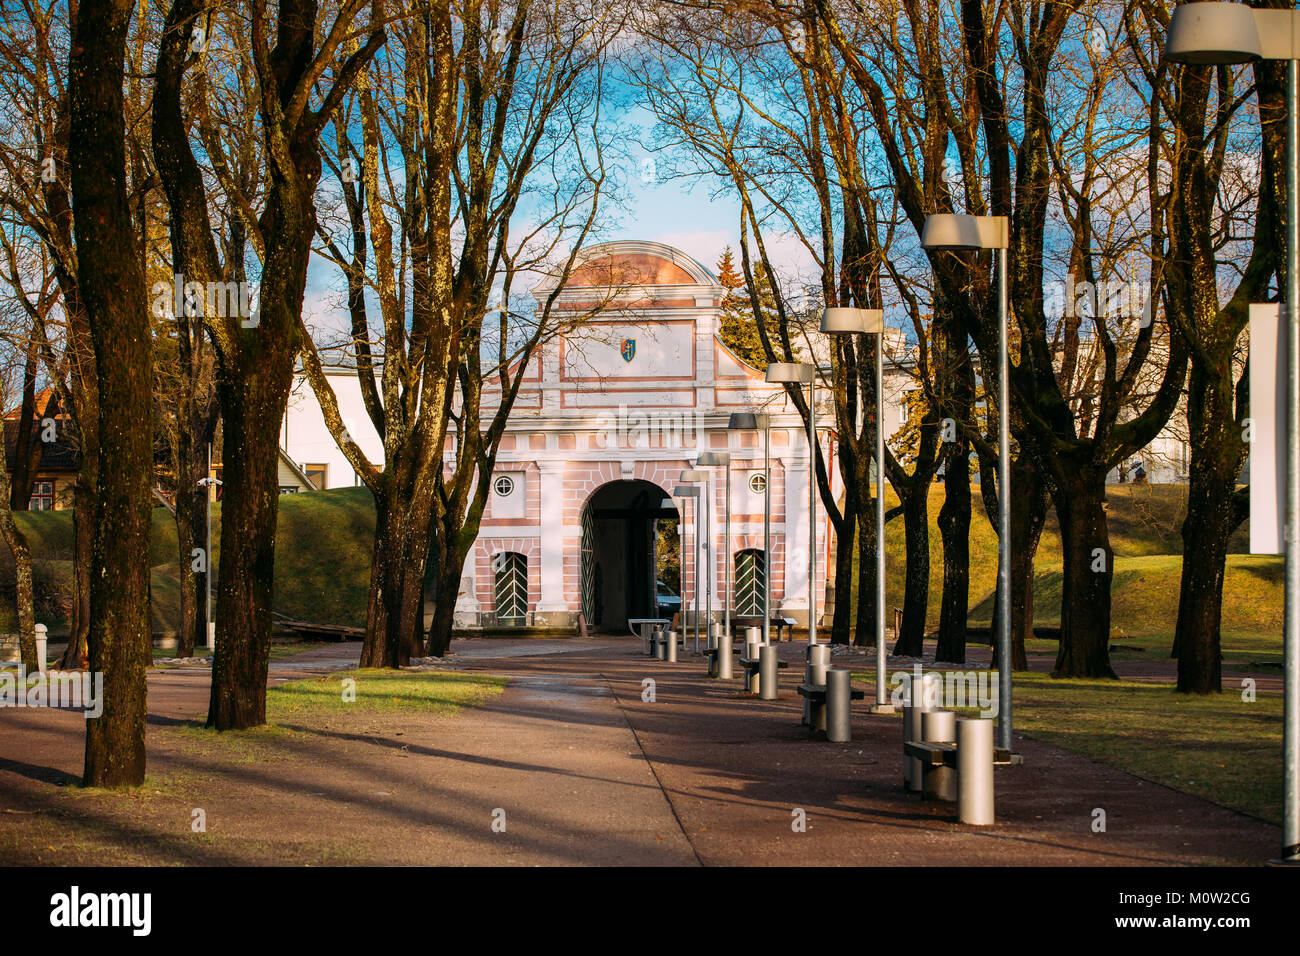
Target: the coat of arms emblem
(628, 349)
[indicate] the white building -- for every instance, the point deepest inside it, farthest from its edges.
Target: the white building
(604, 423)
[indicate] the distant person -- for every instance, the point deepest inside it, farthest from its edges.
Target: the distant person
(1140, 476)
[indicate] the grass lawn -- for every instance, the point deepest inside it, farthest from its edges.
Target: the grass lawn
(297, 708)
(323, 569)
(1220, 748)
(1144, 522)
(322, 561)
(380, 690)
(279, 651)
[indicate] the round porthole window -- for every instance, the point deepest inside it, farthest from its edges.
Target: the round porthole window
(758, 483)
(504, 485)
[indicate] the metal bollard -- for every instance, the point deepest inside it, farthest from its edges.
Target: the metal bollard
(753, 651)
(753, 642)
(767, 672)
(939, 727)
(975, 771)
(649, 634)
(670, 646)
(661, 650)
(839, 698)
(928, 696)
(817, 655)
(911, 734)
(724, 656)
(817, 711)
(916, 701)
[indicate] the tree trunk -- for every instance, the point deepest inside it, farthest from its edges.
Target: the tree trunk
(844, 584)
(1200, 598)
(185, 544)
(1028, 514)
(954, 531)
(916, 584)
(198, 504)
(451, 569)
(112, 288)
(865, 625)
(26, 443)
(76, 656)
(252, 406)
(458, 530)
(1087, 573)
(395, 604)
(17, 542)
(23, 594)
(1217, 453)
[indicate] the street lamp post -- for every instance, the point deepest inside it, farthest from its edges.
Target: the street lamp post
(207, 484)
(704, 512)
(1226, 33)
(680, 508)
(800, 373)
(949, 231)
(710, 459)
(846, 321)
(752, 421)
(685, 492)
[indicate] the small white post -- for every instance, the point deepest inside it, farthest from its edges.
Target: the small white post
(42, 641)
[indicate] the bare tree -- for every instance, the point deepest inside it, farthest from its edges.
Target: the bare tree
(255, 355)
(33, 155)
(111, 283)
(501, 173)
(1224, 239)
(18, 547)
(1007, 121)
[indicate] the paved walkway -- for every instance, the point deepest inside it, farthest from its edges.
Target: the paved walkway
(586, 772)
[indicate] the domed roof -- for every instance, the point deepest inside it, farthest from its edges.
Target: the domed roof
(628, 263)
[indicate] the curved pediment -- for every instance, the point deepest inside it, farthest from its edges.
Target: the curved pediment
(638, 264)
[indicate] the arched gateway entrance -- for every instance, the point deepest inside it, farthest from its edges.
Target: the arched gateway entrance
(619, 552)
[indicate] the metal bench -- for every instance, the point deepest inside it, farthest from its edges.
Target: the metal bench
(751, 667)
(646, 635)
(719, 664)
(818, 698)
(664, 645)
(776, 625)
(960, 772)
(932, 755)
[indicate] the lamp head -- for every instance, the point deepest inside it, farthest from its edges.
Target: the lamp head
(714, 458)
(846, 321)
(779, 372)
(694, 474)
(686, 491)
(1218, 33)
(958, 231)
(747, 421)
